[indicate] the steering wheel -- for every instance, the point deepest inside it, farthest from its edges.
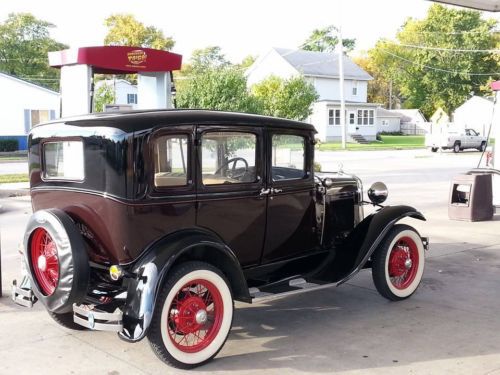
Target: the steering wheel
(234, 161)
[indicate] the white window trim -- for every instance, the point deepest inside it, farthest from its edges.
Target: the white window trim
(371, 116)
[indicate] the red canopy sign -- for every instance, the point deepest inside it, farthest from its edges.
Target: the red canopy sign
(495, 86)
(118, 59)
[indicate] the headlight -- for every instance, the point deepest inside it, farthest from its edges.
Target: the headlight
(378, 193)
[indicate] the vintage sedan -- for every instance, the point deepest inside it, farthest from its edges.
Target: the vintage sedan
(151, 224)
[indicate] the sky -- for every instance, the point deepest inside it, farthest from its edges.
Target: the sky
(239, 28)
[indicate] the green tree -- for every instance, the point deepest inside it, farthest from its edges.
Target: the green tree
(425, 63)
(247, 61)
(208, 57)
(24, 44)
(326, 40)
(217, 88)
(126, 30)
(379, 89)
(104, 94)
(288, 98)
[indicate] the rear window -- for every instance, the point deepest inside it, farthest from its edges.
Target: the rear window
(63, 160)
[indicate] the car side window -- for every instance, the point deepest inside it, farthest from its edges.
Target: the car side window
(170, 158)
(288, 157)
(228, 158)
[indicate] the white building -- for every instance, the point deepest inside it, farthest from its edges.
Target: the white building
(475, 113)
(321, 69)
(125, 92)
(413, 121)
(388, 121)
(24, 105)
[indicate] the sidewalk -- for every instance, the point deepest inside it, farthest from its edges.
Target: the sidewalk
(15, 189)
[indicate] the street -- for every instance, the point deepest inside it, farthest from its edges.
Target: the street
(450, 325)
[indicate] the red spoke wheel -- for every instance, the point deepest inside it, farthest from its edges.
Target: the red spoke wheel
(44, 261)
(398, 263)
(193, 315)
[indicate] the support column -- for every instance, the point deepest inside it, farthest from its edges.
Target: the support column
(154, 90)
(75, 90)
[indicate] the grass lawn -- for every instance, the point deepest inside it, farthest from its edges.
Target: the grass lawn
(389, 142)
(18, 177)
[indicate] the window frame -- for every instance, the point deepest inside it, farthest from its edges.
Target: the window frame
(308, 156)
(187, 130)
(43, 162)
(259, 157)
(367, 117)
(335, 119)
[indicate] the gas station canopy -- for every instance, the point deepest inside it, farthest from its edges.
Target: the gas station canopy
(117, 59)
(488, 5)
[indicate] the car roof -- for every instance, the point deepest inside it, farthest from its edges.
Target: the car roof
(132, 121)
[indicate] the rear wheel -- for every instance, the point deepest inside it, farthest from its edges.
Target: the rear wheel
(456, 147)
(434, 149)
(193, 316)
(482, 148)
(398, 263)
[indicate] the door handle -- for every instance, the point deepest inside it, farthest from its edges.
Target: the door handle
(274, 191)
(264, 191)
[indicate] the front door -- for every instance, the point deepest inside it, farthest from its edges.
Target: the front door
(351, 122)
(291, 220)
(230, 178)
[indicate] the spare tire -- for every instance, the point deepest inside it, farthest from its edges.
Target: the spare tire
(57, 260)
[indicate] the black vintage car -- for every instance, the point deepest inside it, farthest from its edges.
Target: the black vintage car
(153, 223)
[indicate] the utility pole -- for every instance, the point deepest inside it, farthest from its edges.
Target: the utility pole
(341, 89)
(390, 94)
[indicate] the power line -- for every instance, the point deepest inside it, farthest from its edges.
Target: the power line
(439, 69)
(447, 49)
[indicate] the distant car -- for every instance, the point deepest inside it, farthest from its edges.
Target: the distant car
(150, 224)
(456, 141)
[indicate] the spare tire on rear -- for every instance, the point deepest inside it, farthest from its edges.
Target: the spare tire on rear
(57, 260)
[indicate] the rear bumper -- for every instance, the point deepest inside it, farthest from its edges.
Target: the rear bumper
(92, 318)
(22, 294)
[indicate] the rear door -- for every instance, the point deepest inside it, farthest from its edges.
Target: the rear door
(230, 180)
(291, 220)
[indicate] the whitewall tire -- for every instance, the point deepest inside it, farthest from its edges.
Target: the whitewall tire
(398, 263)
(193, 315)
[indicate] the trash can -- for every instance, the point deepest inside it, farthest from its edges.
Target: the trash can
(471, 198)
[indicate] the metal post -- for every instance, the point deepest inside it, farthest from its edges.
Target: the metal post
(341, 88)
(0, 265)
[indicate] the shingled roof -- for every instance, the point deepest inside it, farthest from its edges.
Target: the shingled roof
(322, 64)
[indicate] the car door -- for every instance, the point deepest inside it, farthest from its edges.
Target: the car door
(291, 220)
(229, 183)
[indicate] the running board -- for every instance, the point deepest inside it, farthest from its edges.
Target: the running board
(297, 286)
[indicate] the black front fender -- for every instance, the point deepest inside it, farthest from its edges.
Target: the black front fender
(152, 267)
(366, 237)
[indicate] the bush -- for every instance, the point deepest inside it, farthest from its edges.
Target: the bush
(9, 145)
(379, 137)
(390, 133)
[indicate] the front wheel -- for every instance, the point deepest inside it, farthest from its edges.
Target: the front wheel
(398, 263)
(434, 149)
(193, 316)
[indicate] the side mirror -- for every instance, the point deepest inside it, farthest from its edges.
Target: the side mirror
(378, 193)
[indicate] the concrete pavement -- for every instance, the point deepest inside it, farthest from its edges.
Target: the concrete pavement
(450, 326)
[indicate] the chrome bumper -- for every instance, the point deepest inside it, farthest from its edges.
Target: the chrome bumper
(90, 317)
(23, 295)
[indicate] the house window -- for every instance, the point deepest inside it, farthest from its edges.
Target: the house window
(39, 116)
(354, 88)
(366, 117)
(334, 116)
(171, 160)
(385, 122)
(131, 98)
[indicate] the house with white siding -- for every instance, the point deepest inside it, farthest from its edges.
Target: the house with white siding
(125, 92)
(24, 105)
(475, 113)
(388, 121)
(322, 71)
